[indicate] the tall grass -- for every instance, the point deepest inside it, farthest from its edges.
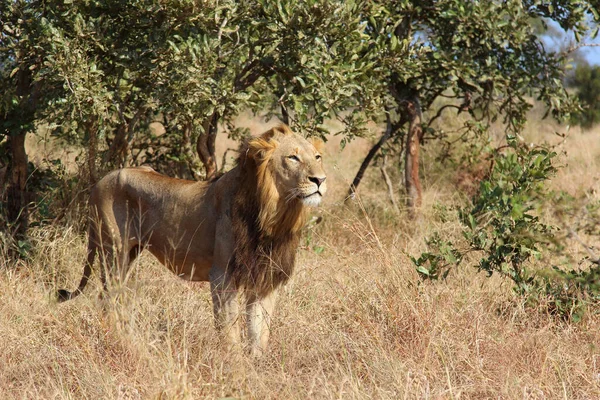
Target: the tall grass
(355, 322)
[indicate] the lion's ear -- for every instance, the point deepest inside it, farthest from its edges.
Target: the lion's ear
(318, 144)
(261, 148)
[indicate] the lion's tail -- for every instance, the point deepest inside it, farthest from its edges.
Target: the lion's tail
(64, 295)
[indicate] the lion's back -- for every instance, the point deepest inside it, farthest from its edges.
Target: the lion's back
(141, 183)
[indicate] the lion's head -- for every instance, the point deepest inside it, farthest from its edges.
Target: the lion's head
(282, 174)
(289, 175)
(294, 164)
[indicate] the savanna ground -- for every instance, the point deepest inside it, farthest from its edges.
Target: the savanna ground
(355, 321)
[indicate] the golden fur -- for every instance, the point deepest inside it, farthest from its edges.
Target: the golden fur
(273, 218)
(240, 231)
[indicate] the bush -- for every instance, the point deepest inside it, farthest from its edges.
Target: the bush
(504, 225)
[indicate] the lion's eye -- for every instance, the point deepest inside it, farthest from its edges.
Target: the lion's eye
(294, 158)
(318, 157)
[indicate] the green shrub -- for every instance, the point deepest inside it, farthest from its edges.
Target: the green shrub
(503, 224)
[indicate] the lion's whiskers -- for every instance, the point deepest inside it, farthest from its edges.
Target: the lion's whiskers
(292, 194)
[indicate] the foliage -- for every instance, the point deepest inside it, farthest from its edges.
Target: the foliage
(586, 81)
(109, 68)
(485, 59)
(568, 292)
(437, 263)
(21, 87)
(504, 221)
(505, 226)
(324, 65)
(484, 54)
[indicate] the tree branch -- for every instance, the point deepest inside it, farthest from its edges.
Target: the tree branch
(440, 111)
(579, 46)
(388, 183)
(594, 258)
(261, 68)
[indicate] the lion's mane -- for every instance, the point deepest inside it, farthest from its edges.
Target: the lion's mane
(266, 227)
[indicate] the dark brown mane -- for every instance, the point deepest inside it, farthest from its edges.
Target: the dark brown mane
(266, 228)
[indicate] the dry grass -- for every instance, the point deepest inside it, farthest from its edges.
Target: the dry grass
(354, 323)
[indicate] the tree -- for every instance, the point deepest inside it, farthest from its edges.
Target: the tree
(23, 93)
(102, 53)
(200, 65)
(296, 58)
(67, 65)
(485, 57)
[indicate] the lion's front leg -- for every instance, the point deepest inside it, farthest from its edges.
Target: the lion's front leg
(259, 311)
(225, 305)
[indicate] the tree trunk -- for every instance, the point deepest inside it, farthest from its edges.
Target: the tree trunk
(191, 160)
(205, 146)
(17, 196)
(390, 128)
(131, 129)
(118, 148)
(285, 116)
(413, 142)
(118, 152)
(389, 185)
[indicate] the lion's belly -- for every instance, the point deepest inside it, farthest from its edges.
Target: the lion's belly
(197, 271)
(184, 246)
(186, 266)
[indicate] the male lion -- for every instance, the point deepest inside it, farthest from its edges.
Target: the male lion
(240, 231)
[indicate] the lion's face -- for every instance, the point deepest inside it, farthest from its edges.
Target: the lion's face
(297, 167)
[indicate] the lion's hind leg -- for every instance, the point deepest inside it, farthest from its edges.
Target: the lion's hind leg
(112, 237)
(120, 243)
(117, 255)
(63, 294)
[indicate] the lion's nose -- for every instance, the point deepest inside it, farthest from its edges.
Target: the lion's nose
(317, 180)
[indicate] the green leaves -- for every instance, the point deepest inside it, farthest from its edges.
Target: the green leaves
(316, 58)
(501, 221)
(484, 54)
(437, 263)
(505, 227)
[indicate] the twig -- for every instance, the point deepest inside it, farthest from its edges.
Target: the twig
(439, 113)
(388, 182)
(579, 46)
(224, 160)
(594, 258)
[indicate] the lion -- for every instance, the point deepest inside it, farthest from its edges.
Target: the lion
(240, 232)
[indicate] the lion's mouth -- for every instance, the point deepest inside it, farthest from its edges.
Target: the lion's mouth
(310, 195)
